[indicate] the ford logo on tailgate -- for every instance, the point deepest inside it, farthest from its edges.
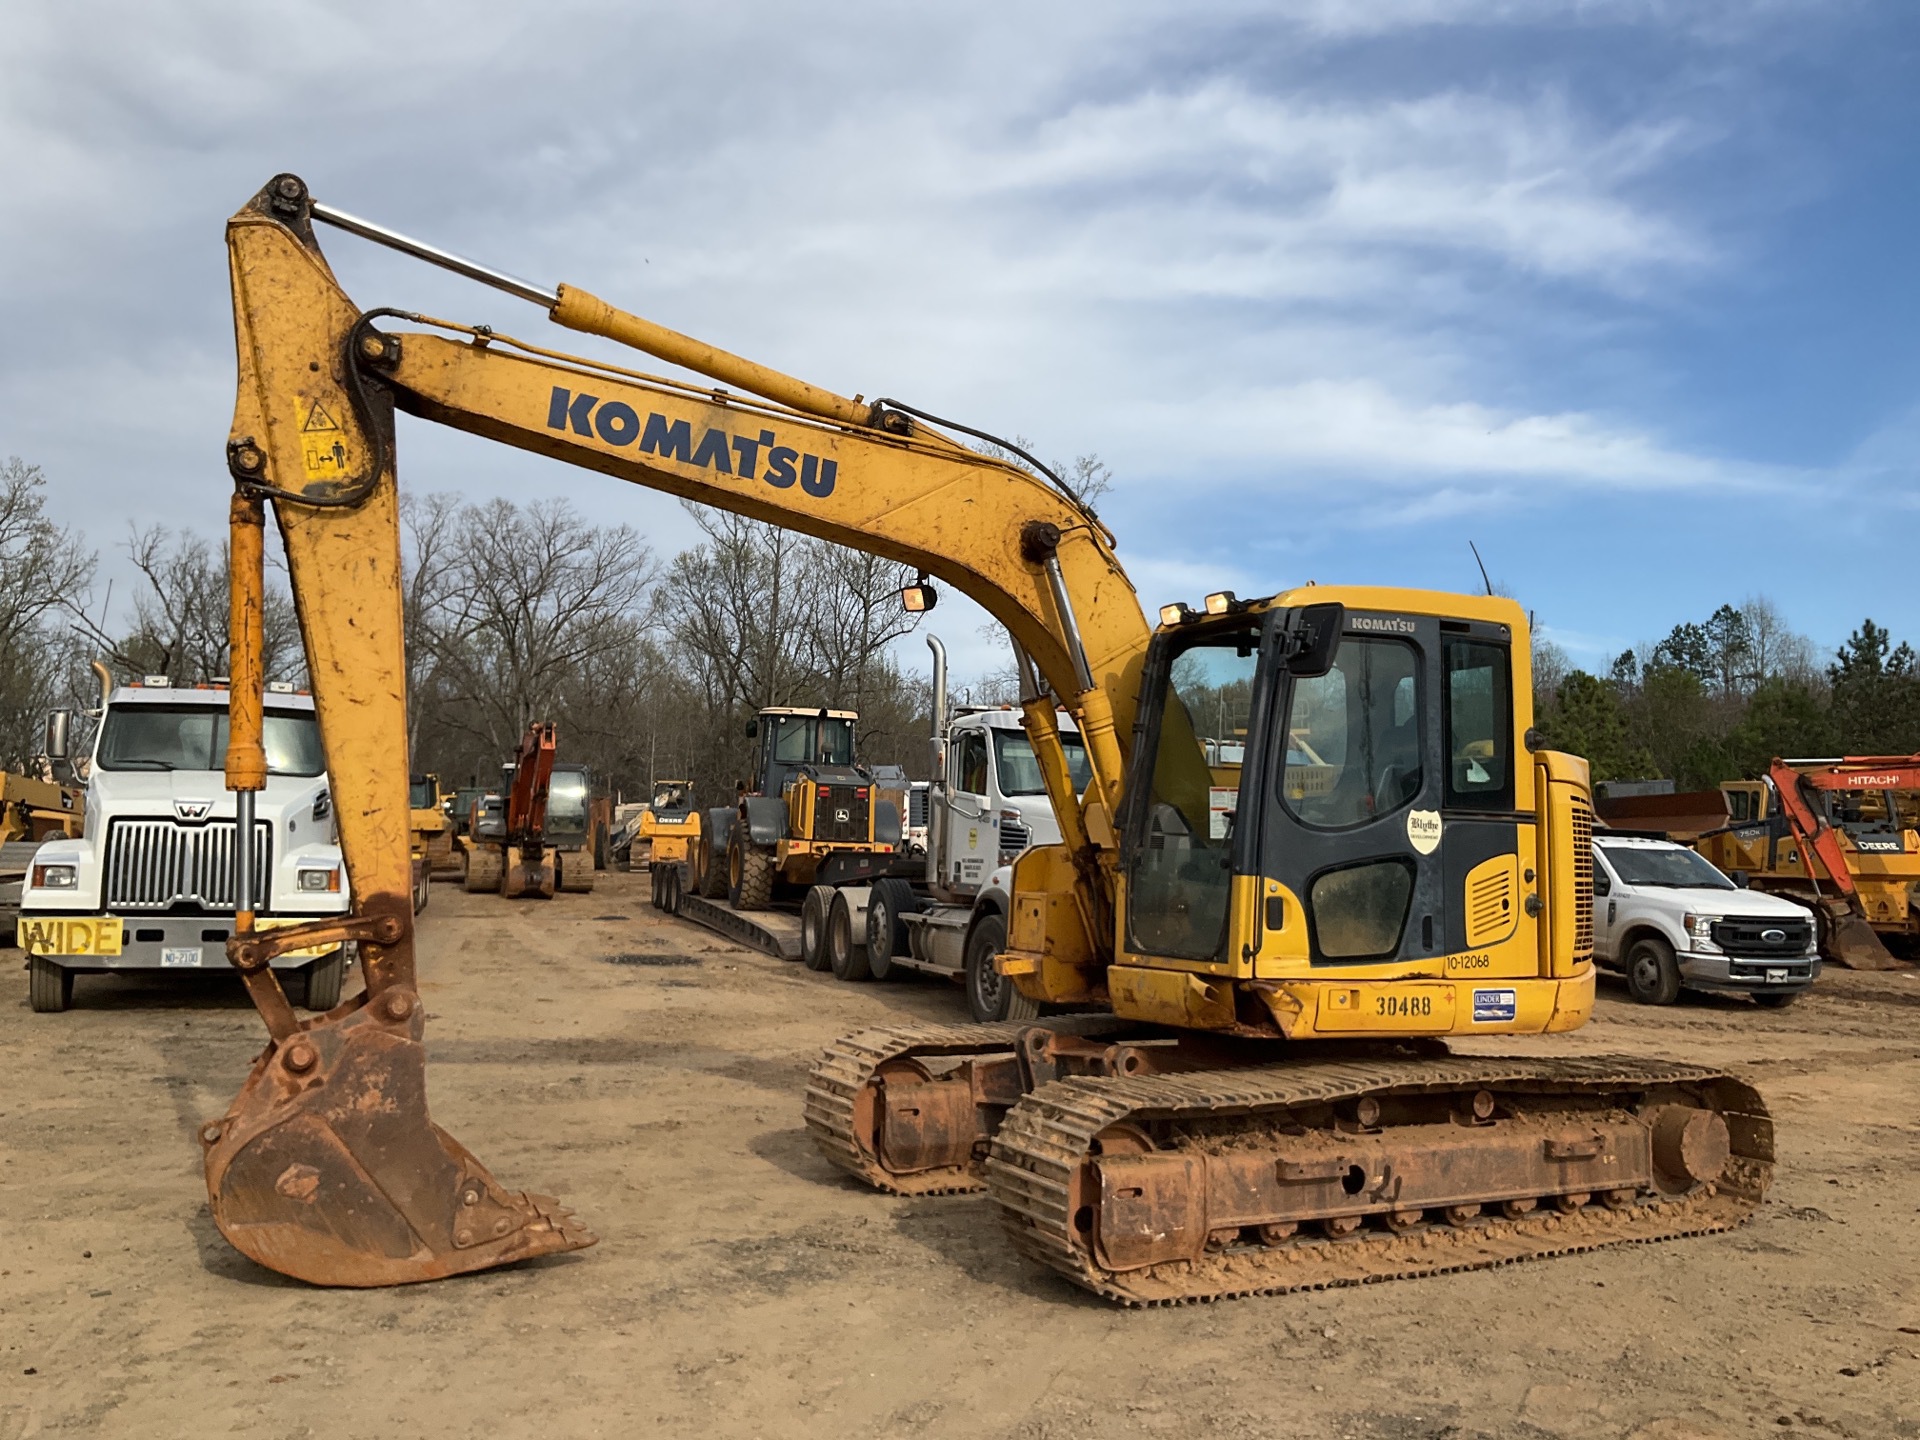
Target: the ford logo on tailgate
(1774, 937)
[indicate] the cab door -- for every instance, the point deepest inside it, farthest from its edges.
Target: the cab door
(1351, 795)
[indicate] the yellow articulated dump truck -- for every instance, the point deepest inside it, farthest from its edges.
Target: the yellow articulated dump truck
(1269, 956)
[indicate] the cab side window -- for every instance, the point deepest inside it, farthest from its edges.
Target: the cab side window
(970, 774)
(1479, 725)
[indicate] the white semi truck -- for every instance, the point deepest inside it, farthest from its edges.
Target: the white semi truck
(985, 804)
(149, 887)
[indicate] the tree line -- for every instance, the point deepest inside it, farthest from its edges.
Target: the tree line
(1718, 699)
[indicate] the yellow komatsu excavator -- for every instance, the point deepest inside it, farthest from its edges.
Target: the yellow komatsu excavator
(1275, 935)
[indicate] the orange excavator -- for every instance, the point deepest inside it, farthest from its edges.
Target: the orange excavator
(1269, 946)
(505, 847)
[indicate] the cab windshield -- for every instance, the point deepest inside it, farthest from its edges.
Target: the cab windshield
(1020, 768)
(567, 798)
(1673, 868)
(422, 795)
(194, 737)
(812, 740)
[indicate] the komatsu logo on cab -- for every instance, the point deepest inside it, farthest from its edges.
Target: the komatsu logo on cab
(759, 457)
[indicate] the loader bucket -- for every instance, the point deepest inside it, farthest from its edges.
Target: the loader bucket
(326, 1168)
(1851, 942)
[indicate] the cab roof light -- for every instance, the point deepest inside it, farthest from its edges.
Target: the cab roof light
(920, 596)
(1176, 613)
(280, 687)
(1223, 602)
(157, 682)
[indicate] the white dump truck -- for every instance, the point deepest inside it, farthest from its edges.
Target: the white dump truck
(149, 886)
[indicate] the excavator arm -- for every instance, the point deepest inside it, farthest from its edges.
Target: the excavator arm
(300, 1178)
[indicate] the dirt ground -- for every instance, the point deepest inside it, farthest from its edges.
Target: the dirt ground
(651, 1074)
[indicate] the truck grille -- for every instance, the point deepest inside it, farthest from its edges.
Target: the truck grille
(157, 864)
(1739, 935)
(1013, 837)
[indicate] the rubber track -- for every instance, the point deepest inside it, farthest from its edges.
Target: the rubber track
(1047, 1137)
(848, 1065)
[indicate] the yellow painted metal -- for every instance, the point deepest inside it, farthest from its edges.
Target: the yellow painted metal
(1492, 899)
(1169, 997)
(69, 935)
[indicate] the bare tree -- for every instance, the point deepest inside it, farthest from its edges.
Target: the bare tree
(45, 571)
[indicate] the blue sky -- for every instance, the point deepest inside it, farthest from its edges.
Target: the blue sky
(1623, 291)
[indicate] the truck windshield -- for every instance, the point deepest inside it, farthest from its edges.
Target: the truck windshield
(1674, 868)
(194, 737)
(1020, 768)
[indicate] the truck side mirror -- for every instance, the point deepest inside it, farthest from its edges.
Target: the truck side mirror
(1601, 884)
(753, 728)
(1316, 635)
(59, 734)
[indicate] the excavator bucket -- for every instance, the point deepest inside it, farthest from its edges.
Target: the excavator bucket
(527, 877)
(326, 1168)
(1852, 942)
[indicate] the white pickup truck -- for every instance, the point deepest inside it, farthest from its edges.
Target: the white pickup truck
(150, 885)
(1668, 920)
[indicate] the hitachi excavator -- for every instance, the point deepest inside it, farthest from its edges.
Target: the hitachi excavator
(1276, 948)
(505, 848)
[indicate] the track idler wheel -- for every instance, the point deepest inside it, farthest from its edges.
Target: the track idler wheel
(328, 1169)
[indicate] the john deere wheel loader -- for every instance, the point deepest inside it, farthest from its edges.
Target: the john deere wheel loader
(812, 816)
(1280, 946)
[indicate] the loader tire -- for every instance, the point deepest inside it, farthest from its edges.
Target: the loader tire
(814, 912)
(709, 879)
(658, 899)
(323, 979)
(670, 888)
(749, 873)
(49, 985)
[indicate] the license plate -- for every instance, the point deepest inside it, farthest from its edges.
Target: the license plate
(1776, 977)
(179, 956)
(68, 935)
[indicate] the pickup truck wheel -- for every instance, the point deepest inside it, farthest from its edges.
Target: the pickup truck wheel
(1775, 999)
(1652, 976)
(815, 911)
(991, 996)
(49, 986)
(886, 931)
(323, 977)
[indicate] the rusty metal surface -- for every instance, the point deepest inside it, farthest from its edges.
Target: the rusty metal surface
(327, 1167)
(844, 1086)
(1286, 1177)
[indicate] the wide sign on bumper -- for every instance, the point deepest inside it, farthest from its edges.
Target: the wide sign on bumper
(68, 935)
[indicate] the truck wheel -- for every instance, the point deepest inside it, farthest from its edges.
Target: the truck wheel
(991, 996)
(886, 931)
(1775, 999)
(1652, 976)
(846, 957)
(323, 981)
(49, 985)
(749, 873)
(814, 913)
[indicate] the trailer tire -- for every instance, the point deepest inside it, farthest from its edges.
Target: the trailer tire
(709, 879)
(1652, 976)
(886, 931)
(323, 978)
(814, 913)
(49, 985)
(749, 873)
(846, 957)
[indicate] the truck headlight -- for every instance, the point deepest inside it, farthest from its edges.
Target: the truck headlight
(320, 880)
(1700, 930)
(55, 877)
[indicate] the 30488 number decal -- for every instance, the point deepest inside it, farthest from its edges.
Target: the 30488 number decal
(1407, 1005)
